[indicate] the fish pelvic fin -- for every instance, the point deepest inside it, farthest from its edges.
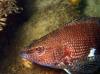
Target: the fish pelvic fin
(67, 71)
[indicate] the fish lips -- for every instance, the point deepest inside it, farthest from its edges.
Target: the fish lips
(23, 55)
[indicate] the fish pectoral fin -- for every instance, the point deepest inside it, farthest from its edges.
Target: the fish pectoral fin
(62, 65)
(67, 71)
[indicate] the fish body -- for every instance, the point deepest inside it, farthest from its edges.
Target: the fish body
(69, 47)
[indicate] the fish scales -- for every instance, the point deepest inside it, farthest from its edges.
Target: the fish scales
(69, 44)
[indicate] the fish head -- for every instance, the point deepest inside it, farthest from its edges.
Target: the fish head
(39, 55)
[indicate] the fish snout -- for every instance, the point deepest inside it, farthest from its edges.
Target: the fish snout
(23, 55)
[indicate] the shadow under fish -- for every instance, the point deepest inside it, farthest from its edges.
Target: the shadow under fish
(74, 47)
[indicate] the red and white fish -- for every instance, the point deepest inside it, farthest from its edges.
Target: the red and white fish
(73, 47)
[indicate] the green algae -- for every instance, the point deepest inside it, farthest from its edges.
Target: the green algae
(93, 8)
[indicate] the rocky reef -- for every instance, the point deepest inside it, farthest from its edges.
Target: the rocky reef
(7, 7)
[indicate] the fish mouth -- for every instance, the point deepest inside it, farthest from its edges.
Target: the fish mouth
(23, 55)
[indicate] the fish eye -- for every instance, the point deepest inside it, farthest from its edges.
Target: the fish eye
(30, 51)
(39, 49)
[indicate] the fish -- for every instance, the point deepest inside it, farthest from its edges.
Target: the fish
(74, 47)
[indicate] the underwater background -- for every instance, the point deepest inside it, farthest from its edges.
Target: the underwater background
(38, 18)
